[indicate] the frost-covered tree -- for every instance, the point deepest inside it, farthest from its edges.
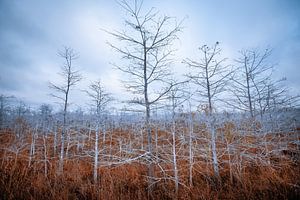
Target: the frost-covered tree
(100, 98)
(210, 76)
(251, 81)
(146, 45)
(70, 78)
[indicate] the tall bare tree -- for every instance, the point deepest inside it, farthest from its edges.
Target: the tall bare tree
(148, 42)
(211, 76)
(100, 99)
(251, 80)
(70, 78)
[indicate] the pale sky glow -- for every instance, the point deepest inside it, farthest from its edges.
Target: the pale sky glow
(32, 31)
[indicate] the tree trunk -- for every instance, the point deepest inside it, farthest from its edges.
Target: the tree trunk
(32, 145)
(213, 146)
(62, 151)
(174, 151)
(96, 155)
(191, 132)
(248, 89)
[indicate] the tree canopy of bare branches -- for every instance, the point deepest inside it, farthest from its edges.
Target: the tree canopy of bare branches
(252, 80)
(209, 73)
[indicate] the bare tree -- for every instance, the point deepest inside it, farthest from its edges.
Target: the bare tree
(70, 78)
(276, 96)
(148, 41)
(45, 113)
(100, 99)
(211, 76)
(190, 124)
(251, 80)
(21, 111)
(176, 99)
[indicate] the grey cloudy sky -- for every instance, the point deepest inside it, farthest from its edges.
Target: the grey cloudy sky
(31, 32)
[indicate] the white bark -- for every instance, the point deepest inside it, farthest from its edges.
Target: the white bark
(96, 155)
(191, 155)
(174, 150)
(213, 146)
(32, 145)
(148, 50)
(71, 78)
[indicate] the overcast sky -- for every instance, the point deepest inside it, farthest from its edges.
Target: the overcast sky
(32, 31)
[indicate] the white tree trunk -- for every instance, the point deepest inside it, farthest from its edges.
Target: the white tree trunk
(32, 146)
(174, 158)
(191, 160)
(62, 151)
(96, 155)
(68, 143)
(213, 146)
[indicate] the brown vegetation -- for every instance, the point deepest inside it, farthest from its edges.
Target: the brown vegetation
(251, 167)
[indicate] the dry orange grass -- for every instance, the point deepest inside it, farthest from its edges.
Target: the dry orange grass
(259, 174)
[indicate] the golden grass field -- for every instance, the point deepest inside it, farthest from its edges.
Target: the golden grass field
(251, 166)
